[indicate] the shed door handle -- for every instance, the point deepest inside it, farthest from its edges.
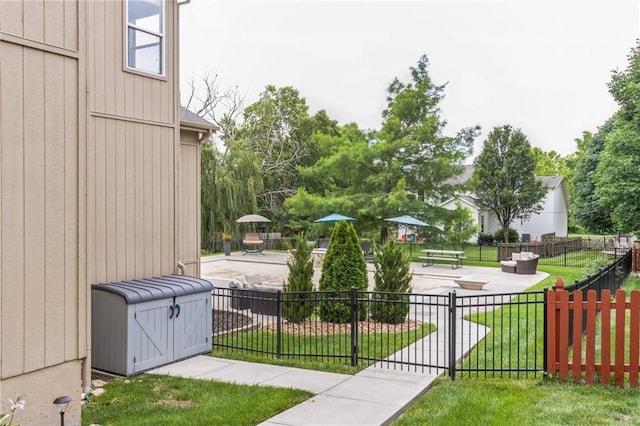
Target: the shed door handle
(178, 308)
(171, 309)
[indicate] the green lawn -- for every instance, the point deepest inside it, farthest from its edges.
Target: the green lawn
(522, 402)
(470, 401)
(331, 352)
(162, 400)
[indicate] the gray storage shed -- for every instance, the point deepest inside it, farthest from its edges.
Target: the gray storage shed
(142, 324)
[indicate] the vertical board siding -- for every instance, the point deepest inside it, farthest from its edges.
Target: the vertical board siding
(74, 310)
(34, 193)
(55, 208)
(13, 209)
(11, 17)
(133, 200)
(54, 22)
(34, 20)
(117, 92)
(39, 215)
(188, 231)
(71, 27)
(120, 143)
(49, 22)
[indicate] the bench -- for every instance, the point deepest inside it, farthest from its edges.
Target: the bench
(456, 262)
(470, 283)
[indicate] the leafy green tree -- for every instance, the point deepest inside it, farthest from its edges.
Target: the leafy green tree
(277, 129)
(459, 226)
(399, 169)
(587, 210)
(392, 278)
(504, 178)
(617, 179)
(344, 267)
(229, 188)
(298, 301)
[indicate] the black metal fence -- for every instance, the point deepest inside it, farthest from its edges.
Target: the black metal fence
(609, 277)
(572, 252)
(419, 332)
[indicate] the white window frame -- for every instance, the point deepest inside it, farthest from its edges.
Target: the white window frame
(161, 36)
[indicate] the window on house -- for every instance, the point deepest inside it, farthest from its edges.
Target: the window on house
(481, 223)
(145, 35)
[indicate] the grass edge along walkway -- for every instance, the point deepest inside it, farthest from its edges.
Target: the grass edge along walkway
(150, 399)
(524, 401)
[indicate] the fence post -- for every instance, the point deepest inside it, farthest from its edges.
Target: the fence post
(354, 326)
(279, 324)
(565, 255)
(452, 335)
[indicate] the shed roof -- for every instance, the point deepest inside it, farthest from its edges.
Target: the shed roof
(146, 289)
(192, 120)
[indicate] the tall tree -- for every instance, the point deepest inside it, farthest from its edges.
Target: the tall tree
(229, 188)
(504, 178)
(617, 181)
(398, 169)
(278, 129)
(586, 207)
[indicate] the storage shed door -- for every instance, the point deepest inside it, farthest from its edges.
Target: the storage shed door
(193, 325)
(151, 337)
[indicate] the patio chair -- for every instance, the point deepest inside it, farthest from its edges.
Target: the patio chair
(366, 250)
(252, 243)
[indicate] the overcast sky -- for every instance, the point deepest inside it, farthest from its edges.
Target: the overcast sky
(541, 66)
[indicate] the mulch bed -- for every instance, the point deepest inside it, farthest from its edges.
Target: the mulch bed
(224, 321)
(322, 328)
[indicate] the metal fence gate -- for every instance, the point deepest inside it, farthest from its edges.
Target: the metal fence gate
(487, 335)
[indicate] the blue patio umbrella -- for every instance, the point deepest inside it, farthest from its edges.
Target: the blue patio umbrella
(333, 217)
(409, 221)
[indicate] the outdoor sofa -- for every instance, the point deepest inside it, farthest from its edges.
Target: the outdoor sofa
(521, 263)
(248, 292)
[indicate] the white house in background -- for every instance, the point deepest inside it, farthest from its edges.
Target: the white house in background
(554, 216)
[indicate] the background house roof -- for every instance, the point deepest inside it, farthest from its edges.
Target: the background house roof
(463, 177)
(551, 181)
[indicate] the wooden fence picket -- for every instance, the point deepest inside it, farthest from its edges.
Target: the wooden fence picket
(576, 362)
(620, 327)
(634, 339)
(583, 312)
(590, 355)
(605, 337)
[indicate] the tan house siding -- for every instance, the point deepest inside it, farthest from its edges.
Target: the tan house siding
(118, 92)
(131, 187)
(42, 286)
(131, 158)
(189, 203)
(93, 181)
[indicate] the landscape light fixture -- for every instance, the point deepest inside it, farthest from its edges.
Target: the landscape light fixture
(62, 402)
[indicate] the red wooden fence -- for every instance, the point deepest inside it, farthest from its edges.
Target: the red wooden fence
(583, 360)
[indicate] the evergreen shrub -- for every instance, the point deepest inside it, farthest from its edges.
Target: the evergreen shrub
(298, 302)
(392, 276)
(344, 267)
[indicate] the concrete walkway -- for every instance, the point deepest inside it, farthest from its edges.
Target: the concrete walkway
(377, 394)
(374, 396)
